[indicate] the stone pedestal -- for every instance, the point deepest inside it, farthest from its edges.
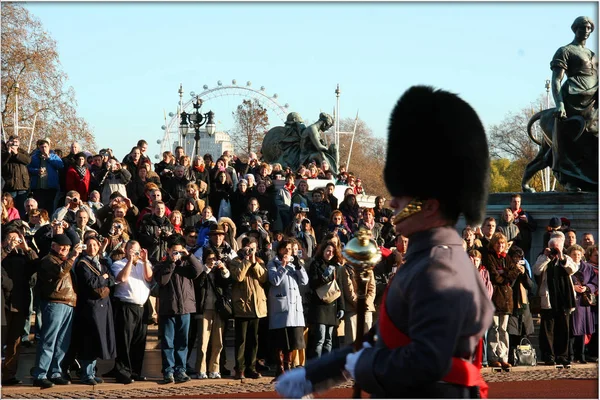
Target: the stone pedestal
(580, 208)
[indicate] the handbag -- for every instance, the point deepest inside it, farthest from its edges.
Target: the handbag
(588, 299)
(524, 355)
(330, 291)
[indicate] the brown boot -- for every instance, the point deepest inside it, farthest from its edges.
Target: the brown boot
(280, 364)
(287, 360)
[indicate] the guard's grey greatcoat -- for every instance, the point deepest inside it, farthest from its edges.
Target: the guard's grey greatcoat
(439, 301)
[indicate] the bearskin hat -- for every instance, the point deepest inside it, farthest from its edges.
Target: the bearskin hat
(437, 148)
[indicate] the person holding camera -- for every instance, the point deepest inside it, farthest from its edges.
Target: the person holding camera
(249, 305)
(18, 262)
(43, 171)
(114, 179)
(286, 314)
(43, 236)
(15, 173)
(211, 287)
(177, 301)
(154, 230)
(133, 275)
(73, 203)
(57, 302)
(558, 300)
(338, 226)
(93, 314)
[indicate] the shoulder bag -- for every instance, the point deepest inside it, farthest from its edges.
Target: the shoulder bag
(223, 305)
(96, 293)
(330, 291)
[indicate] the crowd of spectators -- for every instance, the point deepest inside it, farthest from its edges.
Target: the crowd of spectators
(553, 285)
(105, 246)
(97, 245)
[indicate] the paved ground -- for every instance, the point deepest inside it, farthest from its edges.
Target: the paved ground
(232, 388)
(534, 380)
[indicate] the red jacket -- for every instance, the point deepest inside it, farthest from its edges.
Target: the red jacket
(74, 181)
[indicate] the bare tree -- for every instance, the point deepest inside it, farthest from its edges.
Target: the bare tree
(251, 124)
(29, 59)
(511, 149)
(368, 155)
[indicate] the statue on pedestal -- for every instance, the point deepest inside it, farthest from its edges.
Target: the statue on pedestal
(295, 144)
(570, 144)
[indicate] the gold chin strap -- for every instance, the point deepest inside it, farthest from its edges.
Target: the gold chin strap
(413, 207)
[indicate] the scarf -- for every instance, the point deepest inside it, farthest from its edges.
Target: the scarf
(80, 170)
(501, 255)
(199, 168)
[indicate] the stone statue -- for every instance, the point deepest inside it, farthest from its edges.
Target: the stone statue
(570, 144)
(296, 144)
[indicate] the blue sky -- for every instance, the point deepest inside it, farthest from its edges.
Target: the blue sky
(126, 60)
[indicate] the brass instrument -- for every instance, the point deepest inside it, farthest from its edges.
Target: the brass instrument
(362, 253)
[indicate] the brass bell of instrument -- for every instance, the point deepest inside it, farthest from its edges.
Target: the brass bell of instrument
(362, 251)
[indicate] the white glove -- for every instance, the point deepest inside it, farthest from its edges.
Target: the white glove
(293, 384)
(352, 359)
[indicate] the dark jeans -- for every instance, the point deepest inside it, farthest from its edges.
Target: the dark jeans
(174, 342)
(54, 341)
(246, 343)
(320, 340)
(554, 334)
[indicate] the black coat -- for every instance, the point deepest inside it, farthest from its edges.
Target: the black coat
(153, 234)
(14, 170)
(176, 287)
(94, 317)
(222, 285)
(7, 286)
(320, 312)
(21, 269)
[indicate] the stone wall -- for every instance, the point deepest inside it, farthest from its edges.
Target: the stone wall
(580, 208)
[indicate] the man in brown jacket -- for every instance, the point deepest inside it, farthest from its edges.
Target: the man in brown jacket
(249, 305)
(57, 302)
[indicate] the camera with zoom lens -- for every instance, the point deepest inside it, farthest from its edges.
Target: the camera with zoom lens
(84, 247)
(553, 252)
(74, 200)
(136, 253)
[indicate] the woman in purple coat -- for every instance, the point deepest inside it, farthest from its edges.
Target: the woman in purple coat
(582, 320)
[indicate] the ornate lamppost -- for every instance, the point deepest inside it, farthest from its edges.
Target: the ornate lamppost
(196, 120)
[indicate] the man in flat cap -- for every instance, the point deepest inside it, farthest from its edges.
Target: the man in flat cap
(435, 309)
(57, 302)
